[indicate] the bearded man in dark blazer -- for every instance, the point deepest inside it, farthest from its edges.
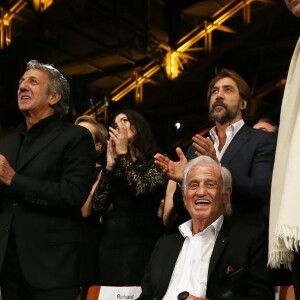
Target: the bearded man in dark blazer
(212, 256)
(248, 153)
(46, 171)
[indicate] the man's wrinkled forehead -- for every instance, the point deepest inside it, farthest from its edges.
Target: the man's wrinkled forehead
(225, 81)
(206, 170)
(34, 74)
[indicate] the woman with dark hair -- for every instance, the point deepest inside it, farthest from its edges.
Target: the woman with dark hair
(133, 186)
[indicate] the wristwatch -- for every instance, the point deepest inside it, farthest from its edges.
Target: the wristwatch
(183, 295)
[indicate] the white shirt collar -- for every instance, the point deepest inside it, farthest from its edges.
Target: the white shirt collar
(233, 128)
(186, 228)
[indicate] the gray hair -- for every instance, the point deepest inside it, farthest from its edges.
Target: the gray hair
(225, 173)
(57, 84)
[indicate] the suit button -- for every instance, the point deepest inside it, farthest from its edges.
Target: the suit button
(15, 203)
(6, 228)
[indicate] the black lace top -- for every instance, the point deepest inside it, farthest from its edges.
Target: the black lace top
(131, 228)
(141, 178)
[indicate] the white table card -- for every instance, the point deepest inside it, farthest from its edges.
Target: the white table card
(119, 292)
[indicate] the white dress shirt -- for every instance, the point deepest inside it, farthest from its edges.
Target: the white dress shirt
(231, 131)
(191, 269)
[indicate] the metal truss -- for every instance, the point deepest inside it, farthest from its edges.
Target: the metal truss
(176, 57)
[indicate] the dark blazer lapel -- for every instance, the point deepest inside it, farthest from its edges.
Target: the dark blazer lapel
(40, 143)
(12, 154)
(219, 247)
(170, 262)
(237, 142)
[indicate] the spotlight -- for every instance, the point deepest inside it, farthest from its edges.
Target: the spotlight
(178, 126)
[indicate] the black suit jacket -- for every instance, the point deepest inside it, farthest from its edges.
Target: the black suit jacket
(42, 205)
(237, 268)
(250, 159)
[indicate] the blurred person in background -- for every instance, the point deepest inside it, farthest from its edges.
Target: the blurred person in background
(91, 219)
(266, 124)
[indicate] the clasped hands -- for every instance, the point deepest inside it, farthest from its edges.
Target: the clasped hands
(117, 144)
(174, 170)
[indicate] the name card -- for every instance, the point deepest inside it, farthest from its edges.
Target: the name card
(119, 292)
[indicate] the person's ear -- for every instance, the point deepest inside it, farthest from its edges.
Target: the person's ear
(98, 146)
(227, 195)
(54, 98)
(243, 105)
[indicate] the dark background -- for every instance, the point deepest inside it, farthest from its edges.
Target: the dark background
(99, 45)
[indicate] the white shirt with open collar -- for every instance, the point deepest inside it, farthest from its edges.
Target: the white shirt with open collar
(231, 131)
(191, 269)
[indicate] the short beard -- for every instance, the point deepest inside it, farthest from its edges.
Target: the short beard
(223, 116)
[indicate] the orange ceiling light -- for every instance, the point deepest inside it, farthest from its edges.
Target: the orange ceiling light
(7, 16)
(175, 58)
(5, 22)
(41, 5)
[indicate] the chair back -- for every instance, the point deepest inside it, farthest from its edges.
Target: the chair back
(286, 292)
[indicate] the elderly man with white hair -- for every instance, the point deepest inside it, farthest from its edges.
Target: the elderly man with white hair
(212, 256)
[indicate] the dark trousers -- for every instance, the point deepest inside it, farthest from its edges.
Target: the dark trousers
(296, 275)
(15, 287)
